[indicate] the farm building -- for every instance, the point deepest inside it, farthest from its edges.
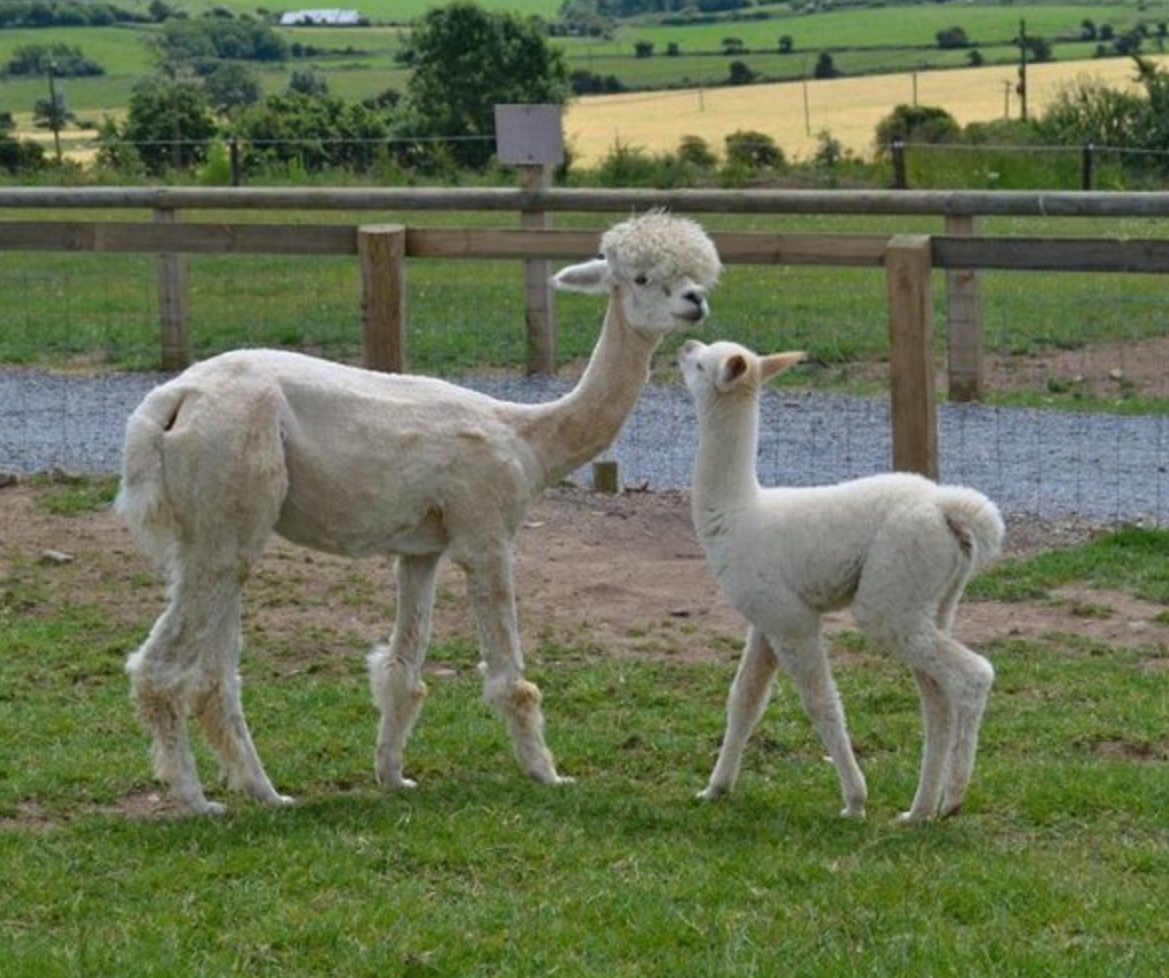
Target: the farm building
(332, 17)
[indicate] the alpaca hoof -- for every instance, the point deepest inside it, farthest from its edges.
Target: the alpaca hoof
(711, 793)
(399, 782)
(951, 811)
(205, 807)
(285, 800)
(912, 818)
(853, 811)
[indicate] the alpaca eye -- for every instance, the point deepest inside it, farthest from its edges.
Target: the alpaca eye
(641, 280)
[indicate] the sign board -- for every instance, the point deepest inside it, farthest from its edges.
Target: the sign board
(529, 135)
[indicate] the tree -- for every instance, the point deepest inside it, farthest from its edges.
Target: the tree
(825, 66)
(733, 45)
(643, 49)
(1089, 111)
(466, 61)
(231, 86)
(318, 131)
(952, 37)
(52, 114)
(786, 44)
(305, 81)
(740, 73)
(17, 155)
(169, 123)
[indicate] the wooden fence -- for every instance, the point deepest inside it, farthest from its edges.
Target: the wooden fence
(382, 249)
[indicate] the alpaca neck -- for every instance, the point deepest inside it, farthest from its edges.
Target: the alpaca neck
(724, 467)
(579, 426)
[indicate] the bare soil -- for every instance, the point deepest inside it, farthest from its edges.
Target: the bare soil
(611, 574)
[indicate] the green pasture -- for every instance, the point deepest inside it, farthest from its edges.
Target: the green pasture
(100, 311)
(1057, 865)
(862, 40)
(900, 25)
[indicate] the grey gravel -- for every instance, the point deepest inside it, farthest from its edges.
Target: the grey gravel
(1047, 464)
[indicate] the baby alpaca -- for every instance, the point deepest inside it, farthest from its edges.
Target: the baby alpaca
(898, 548)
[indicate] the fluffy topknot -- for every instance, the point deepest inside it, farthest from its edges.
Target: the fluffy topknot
(662, 246)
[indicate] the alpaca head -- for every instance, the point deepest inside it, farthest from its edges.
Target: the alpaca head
(657, 266)
(727, 370)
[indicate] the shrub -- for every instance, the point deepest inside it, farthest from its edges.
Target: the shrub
(753, 150)
(917, 124)
(696, 151)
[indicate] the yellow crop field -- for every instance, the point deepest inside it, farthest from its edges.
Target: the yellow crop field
(795, 113)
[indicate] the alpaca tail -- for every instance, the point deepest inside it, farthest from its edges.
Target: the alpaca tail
(975, 522)
(142, 499)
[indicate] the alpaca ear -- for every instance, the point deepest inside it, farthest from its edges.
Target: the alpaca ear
(590, 277)
(732, 368)
(779, 362)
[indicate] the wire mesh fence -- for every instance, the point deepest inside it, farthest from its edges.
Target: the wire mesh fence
(1075, 426)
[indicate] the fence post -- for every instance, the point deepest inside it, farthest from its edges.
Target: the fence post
(1086, 177)
(382, 250)
(539, 312)
(964, 321)
(900, 180)
(233, 155)
(913, 410)
(173, 304)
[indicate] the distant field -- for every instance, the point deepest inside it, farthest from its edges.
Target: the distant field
(848, 108)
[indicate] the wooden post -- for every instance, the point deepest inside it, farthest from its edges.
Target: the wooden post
(539, 312)
(530, 137)
(964, 321)
(900, 178)
(382, 250)
(605, 477)
(173, 302)
(911, 370)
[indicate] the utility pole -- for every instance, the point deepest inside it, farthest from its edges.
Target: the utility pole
(56, 111)
(1021, 88)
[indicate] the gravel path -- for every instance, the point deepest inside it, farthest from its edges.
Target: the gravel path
(1050, 464)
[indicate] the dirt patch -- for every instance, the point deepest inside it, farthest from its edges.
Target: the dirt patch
(613, 575)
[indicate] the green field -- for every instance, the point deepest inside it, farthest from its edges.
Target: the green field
(1057, 865)
(862, 40)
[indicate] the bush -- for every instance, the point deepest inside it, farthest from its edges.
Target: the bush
(754, 151)
(917, 124)
(696, 151)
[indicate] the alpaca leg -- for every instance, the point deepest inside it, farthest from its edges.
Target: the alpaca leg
(748, 698)
(967, 705)
(807, 665)
(161, 705)
(221, 716)
(493, 596)
(395, 671)
(213, 607)
(959, 682)
(936, 720)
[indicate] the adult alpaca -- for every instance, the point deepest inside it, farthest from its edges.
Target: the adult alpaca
(358, 463)
(898, 548)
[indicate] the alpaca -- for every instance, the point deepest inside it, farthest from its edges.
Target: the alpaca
(358, 463)
(897, 548)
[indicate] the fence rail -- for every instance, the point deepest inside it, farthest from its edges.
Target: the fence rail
(909, 260)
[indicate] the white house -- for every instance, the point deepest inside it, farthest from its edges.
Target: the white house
(332, 17)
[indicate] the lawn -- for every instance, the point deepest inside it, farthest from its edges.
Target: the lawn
(1058, 864)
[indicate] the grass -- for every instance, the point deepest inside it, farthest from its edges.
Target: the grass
(69, 311)
(1059, 863)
